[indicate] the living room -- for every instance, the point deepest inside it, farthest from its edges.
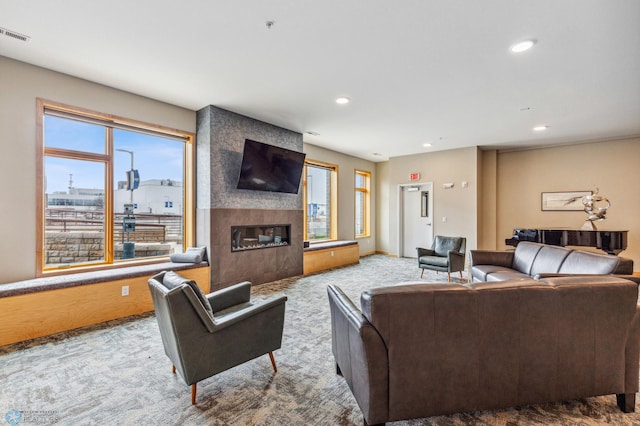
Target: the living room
(503, 192)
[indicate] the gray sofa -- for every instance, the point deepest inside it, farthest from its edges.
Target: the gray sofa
(419, 350)
(539, 260)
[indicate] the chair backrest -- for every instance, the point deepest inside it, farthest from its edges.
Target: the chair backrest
(182, 319)
(442, 245)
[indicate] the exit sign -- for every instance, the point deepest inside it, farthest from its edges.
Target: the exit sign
(414, 176)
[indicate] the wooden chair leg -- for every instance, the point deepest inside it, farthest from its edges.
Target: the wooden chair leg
(449, 277)
(173, 369)
(460, 274)
(422, 272)
(273, 362)
(193, 393)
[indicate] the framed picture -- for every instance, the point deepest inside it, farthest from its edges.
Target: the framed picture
(563, 201)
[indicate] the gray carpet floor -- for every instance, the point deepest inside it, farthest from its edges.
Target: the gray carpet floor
(117, 373)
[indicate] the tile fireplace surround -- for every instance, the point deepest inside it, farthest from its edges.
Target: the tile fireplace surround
(250, 260)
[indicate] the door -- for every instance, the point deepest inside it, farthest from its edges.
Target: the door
(417, 211)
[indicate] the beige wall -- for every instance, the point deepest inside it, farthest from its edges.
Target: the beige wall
(611, 166)
(382, 190)
(487, 200)
(459, 205)
(20, 85)
(347, 165)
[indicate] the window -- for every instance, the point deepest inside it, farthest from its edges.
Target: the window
(109, 189)
(363, 203)
(320, 194)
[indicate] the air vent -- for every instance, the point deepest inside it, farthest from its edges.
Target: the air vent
(13, 34)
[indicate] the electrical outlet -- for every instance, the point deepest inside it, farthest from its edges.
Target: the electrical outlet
(125, 290)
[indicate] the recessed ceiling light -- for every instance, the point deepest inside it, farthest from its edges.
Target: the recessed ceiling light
(540, 128)
(522, 46)
(426, 144)
(342, 101)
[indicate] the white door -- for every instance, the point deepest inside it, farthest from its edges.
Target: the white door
(417, 211)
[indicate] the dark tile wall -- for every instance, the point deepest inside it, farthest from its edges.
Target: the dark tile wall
(257, 266)
(220, 142)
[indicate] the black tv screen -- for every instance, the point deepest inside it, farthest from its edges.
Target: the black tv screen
(270, 168)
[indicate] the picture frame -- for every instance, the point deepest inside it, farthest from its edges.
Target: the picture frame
(563, 201)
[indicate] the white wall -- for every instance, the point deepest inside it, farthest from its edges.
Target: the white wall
(347, 165)
(20, 85)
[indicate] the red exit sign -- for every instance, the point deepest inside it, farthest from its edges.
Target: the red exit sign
(414, 176)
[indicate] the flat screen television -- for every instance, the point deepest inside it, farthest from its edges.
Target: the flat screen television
(270, 168)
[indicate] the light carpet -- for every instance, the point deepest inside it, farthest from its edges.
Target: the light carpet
(117, 373)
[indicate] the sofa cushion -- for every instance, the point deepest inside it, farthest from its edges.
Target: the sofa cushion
(524, 255)
(434, 261)
(549, 259)
(583, 262)
(443, 245)
(481, 271)
(173, 280)
(507, 276)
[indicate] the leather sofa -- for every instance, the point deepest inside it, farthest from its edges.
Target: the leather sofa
(540, 260)
(419, 350)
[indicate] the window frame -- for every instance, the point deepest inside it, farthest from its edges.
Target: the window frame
(333, 199)
(44, 107)
(366, 191)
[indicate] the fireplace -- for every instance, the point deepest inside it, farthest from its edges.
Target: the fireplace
(255, 237)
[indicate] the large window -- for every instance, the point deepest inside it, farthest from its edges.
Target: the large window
(320, 183)
(363, 203)
(111, 189)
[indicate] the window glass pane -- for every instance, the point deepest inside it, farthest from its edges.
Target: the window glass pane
(360, 180)
(360, 213)
(74, 212)
(157, 196)
(74, 135)
(318, 203)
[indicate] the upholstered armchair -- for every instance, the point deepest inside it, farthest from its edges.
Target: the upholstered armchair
(445, 255)
(204, 335)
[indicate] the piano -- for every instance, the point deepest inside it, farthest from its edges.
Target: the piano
(611, 242)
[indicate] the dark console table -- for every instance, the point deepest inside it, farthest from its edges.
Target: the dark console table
(612, 242)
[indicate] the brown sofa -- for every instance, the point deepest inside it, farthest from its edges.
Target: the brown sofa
(419, 350)
(537, 260)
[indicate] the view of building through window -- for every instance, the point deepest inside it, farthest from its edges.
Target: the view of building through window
(363, 206)
(85, 213)
(319, 198)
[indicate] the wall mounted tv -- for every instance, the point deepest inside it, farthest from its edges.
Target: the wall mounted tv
(270, 168)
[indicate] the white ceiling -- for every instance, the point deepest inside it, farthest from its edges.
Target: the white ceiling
(416, 71)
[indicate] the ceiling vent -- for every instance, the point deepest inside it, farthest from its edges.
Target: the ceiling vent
(13, 34)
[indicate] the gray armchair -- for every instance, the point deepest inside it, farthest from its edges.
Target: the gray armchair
(445, 255)
(204, 335)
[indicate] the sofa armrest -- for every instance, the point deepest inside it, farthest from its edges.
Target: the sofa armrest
(425, 252)
(230, 296)
(456, 261)
(632, 355)
(361, 356)
(252, 310)
(491, 257)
